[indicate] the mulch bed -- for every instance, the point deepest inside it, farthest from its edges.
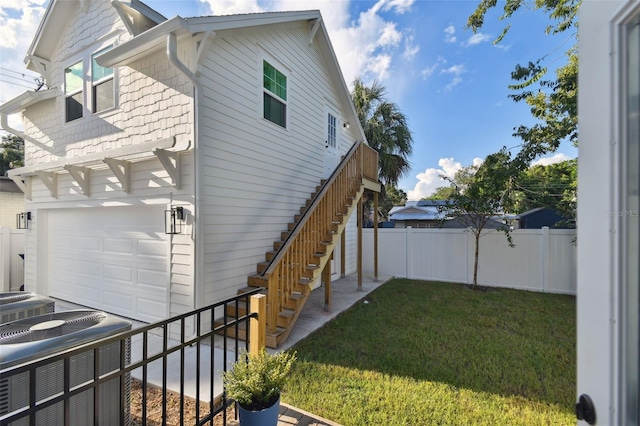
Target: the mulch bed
(154, 408)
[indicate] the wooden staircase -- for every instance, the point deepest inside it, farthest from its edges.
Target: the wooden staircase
(294, 267)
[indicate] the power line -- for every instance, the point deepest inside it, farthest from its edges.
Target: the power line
(25, 75)
(17, 84)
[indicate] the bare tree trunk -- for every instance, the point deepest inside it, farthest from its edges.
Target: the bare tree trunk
(475, 263)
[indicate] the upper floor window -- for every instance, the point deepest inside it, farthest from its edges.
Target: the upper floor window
(275, 95)
(73, 93)
(102, 87)
(88, 87)
(331, 130)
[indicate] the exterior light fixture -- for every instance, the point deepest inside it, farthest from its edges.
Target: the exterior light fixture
(346, 125)
(22, 220)
(173, 220)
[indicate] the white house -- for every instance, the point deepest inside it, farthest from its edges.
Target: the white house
(227, 124)
(608, 213)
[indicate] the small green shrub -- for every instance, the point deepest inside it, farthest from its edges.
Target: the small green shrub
(255, 381)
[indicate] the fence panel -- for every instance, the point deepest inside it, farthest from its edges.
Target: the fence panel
(11, 264)
(542, 260)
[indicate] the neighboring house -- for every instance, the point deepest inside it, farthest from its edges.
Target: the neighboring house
(11, 200)
(540, 217)
(429, 214)
(225, 125)
(608, 285)
(417, 214)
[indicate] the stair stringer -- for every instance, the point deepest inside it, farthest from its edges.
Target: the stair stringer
(317, 273)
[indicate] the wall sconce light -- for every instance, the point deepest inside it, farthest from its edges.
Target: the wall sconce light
(346, 125)
(173, 220)
(22, 220)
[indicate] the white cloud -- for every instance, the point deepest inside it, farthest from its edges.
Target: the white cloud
(456, 71)
(431, 179)
(476, 39)
(19, 20)
(400, 6)
(410, 49)
(556, 158)
(450, 36)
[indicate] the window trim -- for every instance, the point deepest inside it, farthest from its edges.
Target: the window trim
(86, 58)
(286, 72)
(95, 83)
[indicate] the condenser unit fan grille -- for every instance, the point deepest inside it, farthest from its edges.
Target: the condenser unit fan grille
(13, 297)
(48, 326)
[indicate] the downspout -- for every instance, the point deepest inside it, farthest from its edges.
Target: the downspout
(5, 125)
(172, 56)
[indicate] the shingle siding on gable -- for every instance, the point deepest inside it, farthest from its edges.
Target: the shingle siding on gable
(155, 100)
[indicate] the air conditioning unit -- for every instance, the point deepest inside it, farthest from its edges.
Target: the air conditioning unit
(37, 337)
(16, 305)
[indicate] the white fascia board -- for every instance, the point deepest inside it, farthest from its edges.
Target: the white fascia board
(145, 10)
(50, 30)
(143, 44)
(230, 22)
(25, 100)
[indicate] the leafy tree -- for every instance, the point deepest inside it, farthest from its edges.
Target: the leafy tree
(554, 102)
(441, 193)
(480, 193)
(393, 196)
(11, 153)
(386, 130)
(553, 186)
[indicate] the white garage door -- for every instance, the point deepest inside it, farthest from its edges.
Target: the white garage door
(114, 259)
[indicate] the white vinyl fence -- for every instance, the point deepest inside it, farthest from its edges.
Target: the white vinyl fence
(11, 264)
(542, 260)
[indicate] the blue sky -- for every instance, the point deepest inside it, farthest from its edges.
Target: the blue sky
(451, 84)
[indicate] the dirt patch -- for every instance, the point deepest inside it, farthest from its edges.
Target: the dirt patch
(154, 408)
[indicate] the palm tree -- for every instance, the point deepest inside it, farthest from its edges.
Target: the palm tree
(386, 130)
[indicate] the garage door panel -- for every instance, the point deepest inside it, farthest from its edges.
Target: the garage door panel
(152, 248)
(151, 278)
(119, 245)
(118, 273)
(114, 259)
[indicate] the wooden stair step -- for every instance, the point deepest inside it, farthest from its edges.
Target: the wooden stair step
(273, 339)
(285, 317)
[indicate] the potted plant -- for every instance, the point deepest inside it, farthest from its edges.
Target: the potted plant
(255, 383)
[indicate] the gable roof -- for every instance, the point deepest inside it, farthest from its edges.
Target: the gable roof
(56, 16)
(155, 38)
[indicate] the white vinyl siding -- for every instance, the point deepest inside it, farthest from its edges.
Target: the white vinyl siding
(257, 177)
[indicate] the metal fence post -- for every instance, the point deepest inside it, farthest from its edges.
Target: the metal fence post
(258, 326)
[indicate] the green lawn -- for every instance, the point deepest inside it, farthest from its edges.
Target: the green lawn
(423, 353)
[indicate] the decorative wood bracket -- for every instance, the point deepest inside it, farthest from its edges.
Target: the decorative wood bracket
(24, 183)
(121, 169)
(126, 18)
(42, 65)
(171, 161)
(202, 46)
(50, 180)
(82, 175)
(314, 30)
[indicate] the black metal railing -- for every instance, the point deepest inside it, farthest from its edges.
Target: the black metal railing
(203, 330)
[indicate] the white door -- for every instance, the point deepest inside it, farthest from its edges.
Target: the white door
(110, 258)
(608, 301)
(331, 143)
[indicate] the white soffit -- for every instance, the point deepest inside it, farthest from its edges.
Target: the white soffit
(25, 100)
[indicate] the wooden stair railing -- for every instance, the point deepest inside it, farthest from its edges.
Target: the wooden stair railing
(291, 272)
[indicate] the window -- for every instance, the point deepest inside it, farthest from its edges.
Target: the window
(275, 95)
(331, 130)
(88, 87)
(73, 82)
(102, 87)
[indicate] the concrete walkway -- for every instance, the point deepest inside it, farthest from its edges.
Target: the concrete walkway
(313, 316)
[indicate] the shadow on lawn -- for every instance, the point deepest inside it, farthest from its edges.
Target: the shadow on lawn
(504, 342)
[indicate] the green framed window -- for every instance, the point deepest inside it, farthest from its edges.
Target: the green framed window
(275, 95)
